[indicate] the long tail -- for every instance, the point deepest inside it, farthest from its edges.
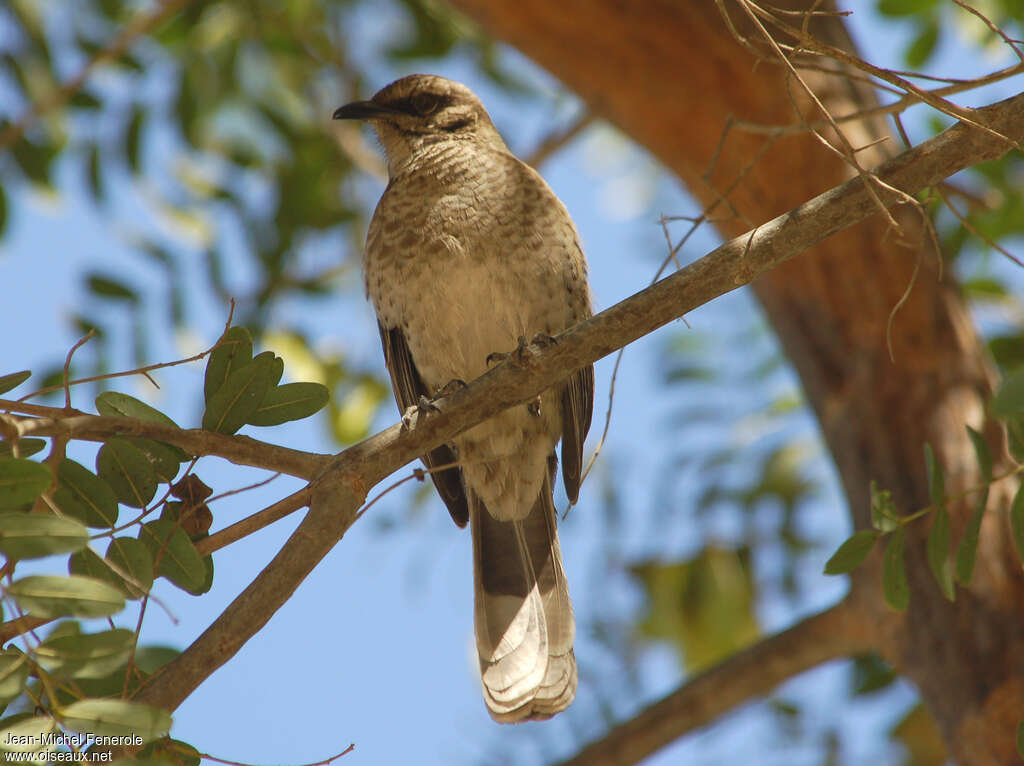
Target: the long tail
(524, 621)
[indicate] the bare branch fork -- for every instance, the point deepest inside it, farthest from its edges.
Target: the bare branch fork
(341, 483)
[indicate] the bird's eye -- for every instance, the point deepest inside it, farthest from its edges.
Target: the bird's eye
(424, 103)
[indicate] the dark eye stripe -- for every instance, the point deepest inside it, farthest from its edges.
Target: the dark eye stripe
(457, 125)
(421, 104)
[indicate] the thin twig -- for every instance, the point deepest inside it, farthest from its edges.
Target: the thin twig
(812, 44)
(67, 367)
(325, 762)
(900, 105)
(254, 523)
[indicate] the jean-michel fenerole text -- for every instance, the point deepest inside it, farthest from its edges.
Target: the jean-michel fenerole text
(69, 740)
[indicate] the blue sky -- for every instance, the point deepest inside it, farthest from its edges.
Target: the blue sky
(375, 648)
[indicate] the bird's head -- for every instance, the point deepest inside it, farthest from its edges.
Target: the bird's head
(419, 111)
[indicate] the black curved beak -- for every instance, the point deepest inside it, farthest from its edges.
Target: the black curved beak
(362, 110)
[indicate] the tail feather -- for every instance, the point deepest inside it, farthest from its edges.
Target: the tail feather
(524, 621)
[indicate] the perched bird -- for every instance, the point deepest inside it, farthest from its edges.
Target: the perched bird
(469, 253)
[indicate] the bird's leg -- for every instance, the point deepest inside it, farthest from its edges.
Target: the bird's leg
(543, 340)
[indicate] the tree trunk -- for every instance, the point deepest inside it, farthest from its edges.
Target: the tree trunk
(671, 75)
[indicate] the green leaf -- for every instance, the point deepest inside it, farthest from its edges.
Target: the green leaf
(1017, 521)
(164, 458)
(35, 160)
(94, 170)
(851, 553)
(894, 576)
(1009, 399)
(936, 481)
(968, 546)
(108, 287)
(115, 404)
(133, 138)
(84, 100)
(22, 481)
(13, 380)
(982, 452)
(48, 596)
(233, 352)
(207, 577)
(26, 448)
(88, 563)
(34, 535)
(14, 667)
(176, 557)
(923, 46)
(870, 674)
(171, 751)
(85, 496)
(150, 659)
(116, 718)
(93, 655)
(292, 401)
(938, 553)
(128, 471)
(241, 395)
(967, 549)
(704, 606)
(132, 557)
(25, 732)
(277, 371)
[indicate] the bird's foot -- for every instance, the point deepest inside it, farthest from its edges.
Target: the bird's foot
(412, 414)
(534, 407)
(541, 339)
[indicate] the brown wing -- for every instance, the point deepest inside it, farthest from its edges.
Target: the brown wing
(408, 388)
(577, 409)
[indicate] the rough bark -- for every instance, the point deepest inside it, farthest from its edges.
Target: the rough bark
(670, 74)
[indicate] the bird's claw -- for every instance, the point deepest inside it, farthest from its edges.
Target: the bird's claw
(413, 413)
(541, 339)
(449, 388)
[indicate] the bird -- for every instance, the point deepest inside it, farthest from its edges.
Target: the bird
(469, 253)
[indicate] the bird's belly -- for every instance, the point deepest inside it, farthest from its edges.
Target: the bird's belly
(458, 312)
(463, 310)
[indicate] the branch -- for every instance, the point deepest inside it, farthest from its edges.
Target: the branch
(253, 523)
(341, 488)
(240, 450)
(837, 632)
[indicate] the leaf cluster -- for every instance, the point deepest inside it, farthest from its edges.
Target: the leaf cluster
(949, 566)
(77, 681)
